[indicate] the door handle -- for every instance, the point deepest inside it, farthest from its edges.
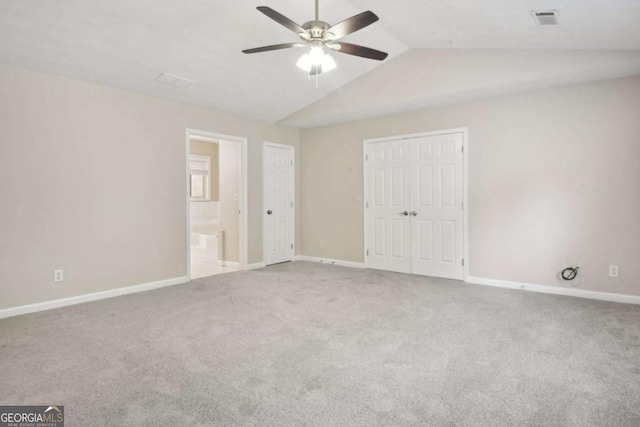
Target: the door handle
(405, 213)
(414, 213)
(269, 212)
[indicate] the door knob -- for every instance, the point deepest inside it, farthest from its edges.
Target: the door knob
(269, 212)
(405, 213)
(414, 213)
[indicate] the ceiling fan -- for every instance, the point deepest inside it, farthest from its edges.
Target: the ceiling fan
(318, 35)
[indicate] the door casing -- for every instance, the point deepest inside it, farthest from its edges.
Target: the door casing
(243, 203)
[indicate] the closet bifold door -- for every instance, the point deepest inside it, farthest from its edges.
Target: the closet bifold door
(436, 206)
(389, 211)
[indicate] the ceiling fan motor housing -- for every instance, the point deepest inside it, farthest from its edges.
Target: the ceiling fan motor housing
(316, 28)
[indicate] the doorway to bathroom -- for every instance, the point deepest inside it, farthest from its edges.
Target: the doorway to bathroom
(216, 200)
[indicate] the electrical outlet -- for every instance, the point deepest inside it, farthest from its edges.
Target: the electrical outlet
(58, 276)
(613, 271)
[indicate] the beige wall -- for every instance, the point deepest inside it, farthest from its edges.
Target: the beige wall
(211, 150)
(554, 179)
(92, 180)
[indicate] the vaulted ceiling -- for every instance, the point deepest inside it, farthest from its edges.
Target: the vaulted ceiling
(440, 52)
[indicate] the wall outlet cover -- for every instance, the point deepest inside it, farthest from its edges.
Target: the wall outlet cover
(58, 276)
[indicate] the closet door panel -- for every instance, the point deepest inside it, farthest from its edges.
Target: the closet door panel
(388, 199)
(436, 206)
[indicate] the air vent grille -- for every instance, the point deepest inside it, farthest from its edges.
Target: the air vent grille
(545, 17)
(175, 81)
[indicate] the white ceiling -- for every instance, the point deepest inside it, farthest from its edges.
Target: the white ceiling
(431, 77)
(507, 24)
(128, 43)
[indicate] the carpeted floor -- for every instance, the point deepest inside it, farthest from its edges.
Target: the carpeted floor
(302, 344)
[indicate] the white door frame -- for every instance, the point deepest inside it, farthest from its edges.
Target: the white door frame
(242, 177)
(465, 187)
(264, 197)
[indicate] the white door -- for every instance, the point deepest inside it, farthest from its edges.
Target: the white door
(389, 205)
(278, 204)
(424, 178)
(437, 210)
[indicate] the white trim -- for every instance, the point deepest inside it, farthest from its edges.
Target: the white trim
(256, 265)
(242, 172)
(365, 192)
(48, 305)
(465, 187)
(231, 264)
(330, 261)
(220, 263)
(556, 290)
(244, 207)
(417, 135)
(292, 230)
(465, 197)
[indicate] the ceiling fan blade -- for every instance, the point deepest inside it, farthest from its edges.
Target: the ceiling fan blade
(282, 20)
(351, 25)
(272, 47)
(354, 49)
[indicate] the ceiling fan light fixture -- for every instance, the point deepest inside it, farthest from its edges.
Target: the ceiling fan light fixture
(304, 63)
(316, 54)
(327, 63)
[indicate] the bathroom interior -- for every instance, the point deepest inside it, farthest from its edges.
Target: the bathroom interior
(214, 206)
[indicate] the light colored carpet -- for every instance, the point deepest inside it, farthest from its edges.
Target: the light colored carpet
(302, 344)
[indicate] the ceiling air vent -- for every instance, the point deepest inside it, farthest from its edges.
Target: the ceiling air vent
(545, 17)
(175, 81)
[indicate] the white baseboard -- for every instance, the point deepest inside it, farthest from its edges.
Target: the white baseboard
(256, 265)
(556, 290)
(329, 261)
(48, 305)
(230, 264)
